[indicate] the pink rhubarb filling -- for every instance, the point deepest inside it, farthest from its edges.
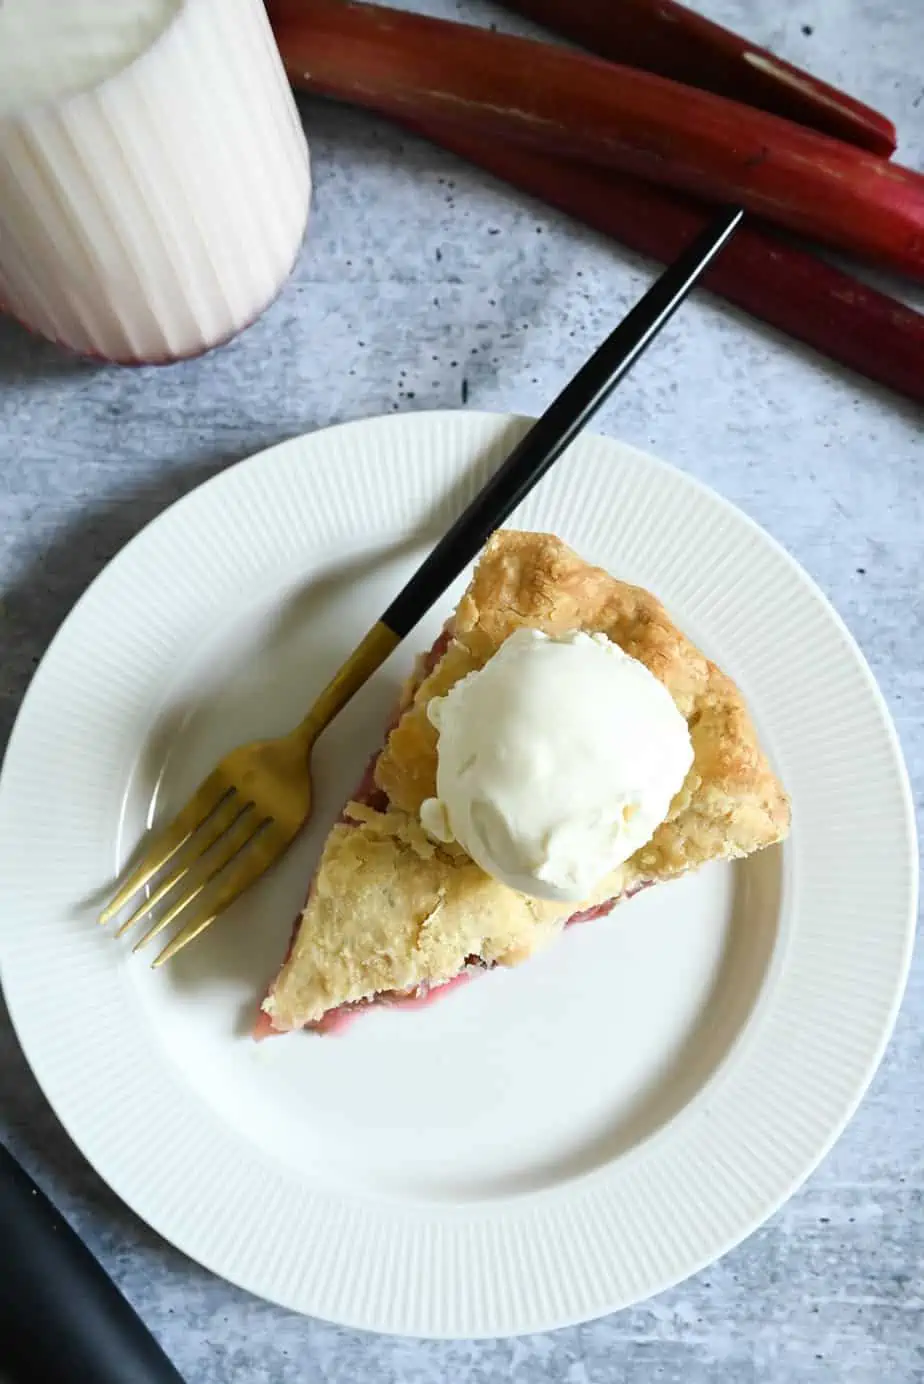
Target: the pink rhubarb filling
(369, 794)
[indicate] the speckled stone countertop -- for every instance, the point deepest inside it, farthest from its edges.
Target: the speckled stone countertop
(423, 285)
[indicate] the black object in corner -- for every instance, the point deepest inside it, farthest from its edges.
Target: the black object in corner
(62, 1319)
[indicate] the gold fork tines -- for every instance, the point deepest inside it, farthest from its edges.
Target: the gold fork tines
(204, 802)
(253, 859)
(199, 873)
(202, 838)
(237, 823)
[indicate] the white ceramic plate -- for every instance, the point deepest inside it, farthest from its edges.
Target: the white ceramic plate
(546, 1144)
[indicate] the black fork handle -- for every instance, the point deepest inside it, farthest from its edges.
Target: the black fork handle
(562, 421)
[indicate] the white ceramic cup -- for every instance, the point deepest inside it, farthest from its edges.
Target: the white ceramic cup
(154, 176)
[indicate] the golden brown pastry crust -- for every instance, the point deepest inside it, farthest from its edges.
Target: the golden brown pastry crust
(390, 910)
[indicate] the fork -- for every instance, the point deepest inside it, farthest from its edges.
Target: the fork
(246, 814)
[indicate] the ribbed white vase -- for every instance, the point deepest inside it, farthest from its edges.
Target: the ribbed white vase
(159, 210)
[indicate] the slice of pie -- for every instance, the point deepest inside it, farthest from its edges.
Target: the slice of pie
(393, 916)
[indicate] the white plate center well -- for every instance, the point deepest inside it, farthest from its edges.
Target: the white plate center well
(515, 1081)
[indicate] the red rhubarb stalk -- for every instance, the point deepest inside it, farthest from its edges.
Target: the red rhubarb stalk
(664, 37)
(583, 108)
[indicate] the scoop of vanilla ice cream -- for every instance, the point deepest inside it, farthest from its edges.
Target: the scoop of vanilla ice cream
(557, 761)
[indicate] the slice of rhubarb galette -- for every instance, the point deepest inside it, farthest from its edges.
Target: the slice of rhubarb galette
(392, 915)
